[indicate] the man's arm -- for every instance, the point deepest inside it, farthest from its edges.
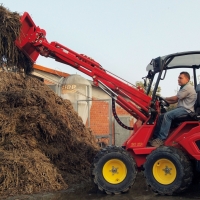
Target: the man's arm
(171, 100)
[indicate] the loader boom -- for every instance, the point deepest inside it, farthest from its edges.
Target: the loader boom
(33, 42)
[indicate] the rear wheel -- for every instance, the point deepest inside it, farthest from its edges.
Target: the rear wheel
(168, 171)
(114, 170)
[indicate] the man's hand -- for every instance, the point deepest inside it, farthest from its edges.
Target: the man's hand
(171, 100)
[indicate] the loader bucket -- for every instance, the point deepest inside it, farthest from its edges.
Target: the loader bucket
(28, 27)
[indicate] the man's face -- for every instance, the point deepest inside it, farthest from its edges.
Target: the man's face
(182, 80)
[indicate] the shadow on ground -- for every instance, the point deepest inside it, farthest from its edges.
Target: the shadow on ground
(139, 191)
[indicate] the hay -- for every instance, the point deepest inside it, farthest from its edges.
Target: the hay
(9, 32)
(44, 145)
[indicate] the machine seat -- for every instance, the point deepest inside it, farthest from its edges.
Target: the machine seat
(189, 117)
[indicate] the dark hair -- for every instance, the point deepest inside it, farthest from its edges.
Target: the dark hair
(186, 74)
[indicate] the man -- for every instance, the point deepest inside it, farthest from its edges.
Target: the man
(186, 98)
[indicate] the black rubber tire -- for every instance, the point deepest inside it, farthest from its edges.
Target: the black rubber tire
(103, 156)
(183, 165)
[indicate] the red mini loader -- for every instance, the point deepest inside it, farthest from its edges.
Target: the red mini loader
(168, 169)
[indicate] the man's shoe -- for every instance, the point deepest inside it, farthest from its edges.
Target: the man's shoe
(157, 142)
(150, 141)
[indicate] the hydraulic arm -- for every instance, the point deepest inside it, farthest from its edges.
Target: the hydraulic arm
(33, 42)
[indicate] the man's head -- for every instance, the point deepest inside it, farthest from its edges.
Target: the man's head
(183, 78)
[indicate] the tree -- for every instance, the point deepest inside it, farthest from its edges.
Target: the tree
(141, 84)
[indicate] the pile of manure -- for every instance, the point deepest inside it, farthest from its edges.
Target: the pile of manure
(44, 145)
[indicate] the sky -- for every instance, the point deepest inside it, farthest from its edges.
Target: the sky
(122, 35)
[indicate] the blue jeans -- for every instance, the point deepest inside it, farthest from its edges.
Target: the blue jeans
(164, 122)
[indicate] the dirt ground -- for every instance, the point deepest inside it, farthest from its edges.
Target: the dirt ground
(87, 191)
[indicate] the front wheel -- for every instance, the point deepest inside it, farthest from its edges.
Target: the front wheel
(168, 171)
(114, 170)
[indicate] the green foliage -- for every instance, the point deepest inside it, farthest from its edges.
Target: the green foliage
(141, 84)
(192, 83)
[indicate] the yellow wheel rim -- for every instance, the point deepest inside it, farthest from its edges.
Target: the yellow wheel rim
(164, 171)
(114, 171)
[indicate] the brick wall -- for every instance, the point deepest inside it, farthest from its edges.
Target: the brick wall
(99, 119)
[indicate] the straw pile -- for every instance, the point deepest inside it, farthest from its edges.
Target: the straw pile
(44, 145)
(9, 32)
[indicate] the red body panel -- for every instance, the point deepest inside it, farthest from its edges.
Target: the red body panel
(186, 135)
(183, 136)
(137, 143)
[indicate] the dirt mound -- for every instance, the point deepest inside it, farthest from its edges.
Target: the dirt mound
(10, 29)
(44, 145)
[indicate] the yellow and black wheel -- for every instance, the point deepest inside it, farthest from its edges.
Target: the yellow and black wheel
(114, 170)
(168, 171)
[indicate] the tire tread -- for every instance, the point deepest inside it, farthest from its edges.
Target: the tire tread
(186, 165)
(103, 152)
